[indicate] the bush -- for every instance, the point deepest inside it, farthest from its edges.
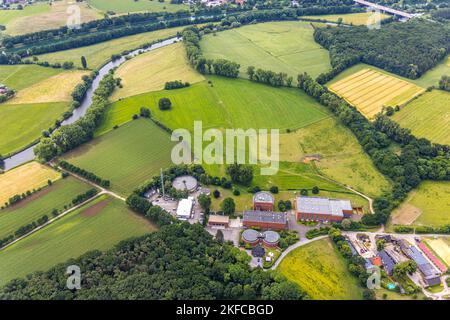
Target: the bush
(164, 104)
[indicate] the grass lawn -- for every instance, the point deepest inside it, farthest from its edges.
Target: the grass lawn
(127, 156)
(357, 19)
(235, 103)
(278, 46)
(124, 6)
(46, 16)
(23, 123)
(21, 76)
(321, 272)
(151, 70)
(392, 295)
(428, 116)
(41, 203)
(428, 205)
(99, 225)
(29, 176)
(370, 91)
(97, 54)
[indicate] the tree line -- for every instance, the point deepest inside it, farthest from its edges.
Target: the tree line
(84, 173)
(408, 49)
(419, 159)
(71, 136)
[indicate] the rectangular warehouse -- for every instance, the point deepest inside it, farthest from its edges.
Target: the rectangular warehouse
(322, 209)
(265, 220)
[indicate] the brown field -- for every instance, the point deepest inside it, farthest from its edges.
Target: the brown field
(57, 88)
(441, 248)
(370, 90)
(30, 176)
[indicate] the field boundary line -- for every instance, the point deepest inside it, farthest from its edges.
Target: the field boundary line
(53, 219)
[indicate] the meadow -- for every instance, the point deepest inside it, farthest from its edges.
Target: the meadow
(98, 54)
(150, 71)
(278, 46)
(24, 123)
(98, 225)
(370, 91)
(321, 272)
(124, 6)
(29, 176)
(44, 16)
(56, 196)
(441, 247)
(223, 104)
(427, 205)
(9, 16)
(357, 19)
(428, 116)
(43, 94)
(127, 156)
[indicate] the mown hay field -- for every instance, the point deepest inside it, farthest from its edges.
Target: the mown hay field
(125, 6)
(98, 54)
(370, 91)
(428, 205)
(56, 196)
(29, 176)
(99, 225)
(428, 116)
(127, 156)
(441, 247)
(40, 16)
(321, 272)
(278, 46)
(150, 71)
(357, 19)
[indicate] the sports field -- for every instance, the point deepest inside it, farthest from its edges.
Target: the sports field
(44, 16)
(227, 103)
(124, 6)
(150, 71)
(23, 123)
(127, 156)
(278, 46)
(56, 196)
(441, 247)
(357, 19)
(29, 176)
(370, 90)
(428, 116)
(321, 272)
(428, 205)
(97, 54)
(99, 225)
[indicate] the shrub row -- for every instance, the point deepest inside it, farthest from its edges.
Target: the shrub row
(85, 174)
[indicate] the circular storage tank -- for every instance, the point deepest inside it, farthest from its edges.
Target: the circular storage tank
(263, 197)
(251, 236)
(271, 238)
(182, 183)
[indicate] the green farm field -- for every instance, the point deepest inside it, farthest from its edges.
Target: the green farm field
(127, 156)
(21, 76)
(23, 123)
(98, 54)
(99, 225)
(227, 103)
(357, 19)
(124, 6)
(428, 116)
(150, 71)
(6, 16)
(278, 46)
(321, 272)
(428, 205)
(41, 203)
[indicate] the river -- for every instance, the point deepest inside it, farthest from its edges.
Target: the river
(28, 154)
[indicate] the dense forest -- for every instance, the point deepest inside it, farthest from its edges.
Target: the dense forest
(180, 261)
(407, 49)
